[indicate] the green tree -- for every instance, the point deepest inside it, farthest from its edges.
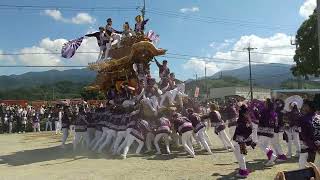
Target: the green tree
(307, 54)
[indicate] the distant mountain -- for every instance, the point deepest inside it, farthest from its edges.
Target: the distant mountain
(32, 79)
(263, 75)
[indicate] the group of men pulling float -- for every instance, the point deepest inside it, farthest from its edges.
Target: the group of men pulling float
(114, 126)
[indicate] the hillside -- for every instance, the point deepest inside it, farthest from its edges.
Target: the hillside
(213, 83)
(264, 75)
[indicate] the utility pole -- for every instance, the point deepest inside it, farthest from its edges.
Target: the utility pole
(294, 43)
(205, 78)
(249, 49)
(143, 10)
(318, 31)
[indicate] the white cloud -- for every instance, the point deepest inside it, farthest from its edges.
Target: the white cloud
(55, 14)
(198, 66)
(47, 53)
(221, 46)
(190, 10)
(83, 18)
(307, 8)
(80, 18)
(277, 44)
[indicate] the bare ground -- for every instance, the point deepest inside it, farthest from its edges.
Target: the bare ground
(39, 156)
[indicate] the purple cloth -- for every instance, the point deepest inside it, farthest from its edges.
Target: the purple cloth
(70, 48)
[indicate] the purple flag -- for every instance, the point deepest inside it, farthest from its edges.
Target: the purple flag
(153, 36)
(70, 48)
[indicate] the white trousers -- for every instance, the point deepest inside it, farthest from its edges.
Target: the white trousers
(111, 134)
(176, 139)
(232, 129)
(49, 125)
(124, 143)
(255, 133)
(276, 144)
(10, 127)
(101, 139)
(91, 133)
(78, 137)
(264, 143)
(149, 139)
(130, 138)
(203, 140)
(152, 102)
(96, 138)
(165, 136)
(36, 127)
(293, 138)
(106, 52)
(58, 126)
(240, 157)
(65, 134)
(101, 53)
(121, 135)
(186, 139)
(225, 139)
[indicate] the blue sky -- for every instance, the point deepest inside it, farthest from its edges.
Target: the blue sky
(232, 24)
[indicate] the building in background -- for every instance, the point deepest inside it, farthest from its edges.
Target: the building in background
(222, 93)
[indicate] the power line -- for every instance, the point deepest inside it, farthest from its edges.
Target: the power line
(265, 53)
(218, 21)
(171, 55)
(41, 66)
(204, 19)
(67, 8)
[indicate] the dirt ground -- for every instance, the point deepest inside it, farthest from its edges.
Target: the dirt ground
(39, 156)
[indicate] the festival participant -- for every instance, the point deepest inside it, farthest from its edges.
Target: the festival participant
(103, 39)
(140, 23)
(309, 135)
(121, 132)
(112, 129)
(130, 125)
(242, 138)
(106, 117)
(115, 36)
(266, 131)
(164, 70)
(199, 128)
(151, 96)
(163, 131)
(49, 120)
(183, 126)
(279, 125)
(36, 122)
(293, 131)
(172, 81)
(231, 117)
(91, 123)
(99, 122)
(219, 126)
(254, 116)
(80, 129)
(127, 31)
(24, 120)
(58, 121)
(66, 121)
(138, 134)
(10, 121)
